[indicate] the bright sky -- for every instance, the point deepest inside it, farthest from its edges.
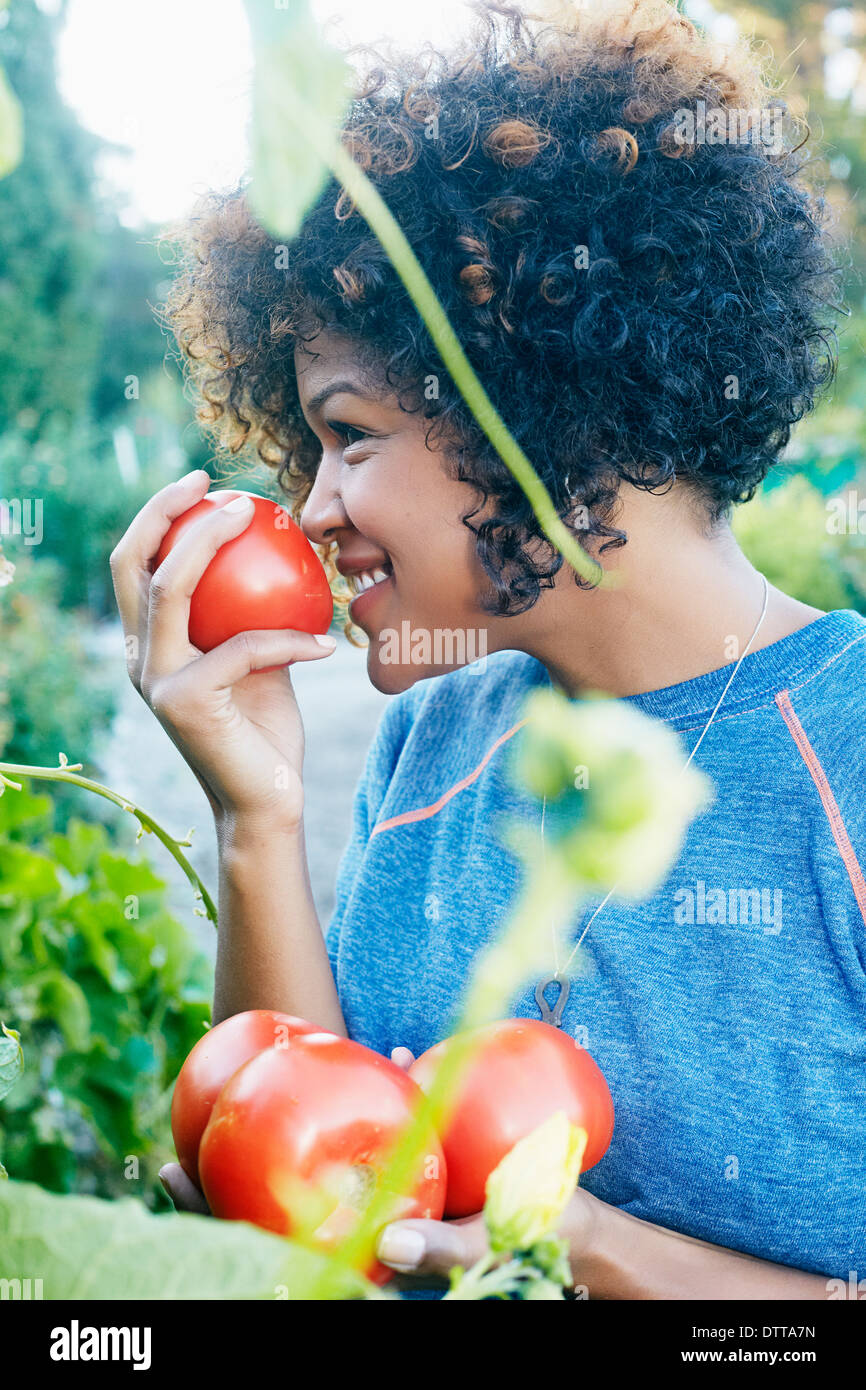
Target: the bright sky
(170, 79)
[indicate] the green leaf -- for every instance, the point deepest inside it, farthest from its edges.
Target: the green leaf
(101, 954)
(25, 874)
(126, 877)
(25, 808)
(300, 88)
(11, 1059)
(63, 1001)
(80, 847)
(84, 1248)
(11, 129)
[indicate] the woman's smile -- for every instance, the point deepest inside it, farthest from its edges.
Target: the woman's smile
(369, 587)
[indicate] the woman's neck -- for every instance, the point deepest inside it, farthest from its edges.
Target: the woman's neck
(682, 603)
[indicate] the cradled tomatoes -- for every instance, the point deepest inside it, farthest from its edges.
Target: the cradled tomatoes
(521, 1072)
(299, 1140)
(212, 1061)
(269, 576)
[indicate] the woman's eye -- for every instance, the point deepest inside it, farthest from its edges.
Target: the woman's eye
(345, 432)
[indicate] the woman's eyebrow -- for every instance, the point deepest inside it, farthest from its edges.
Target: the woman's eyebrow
(315, 403)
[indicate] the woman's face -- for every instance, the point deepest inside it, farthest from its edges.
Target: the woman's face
(387, 501)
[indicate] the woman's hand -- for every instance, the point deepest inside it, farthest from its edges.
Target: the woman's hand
(613, 1255)
(433, 1248)
(239, 728)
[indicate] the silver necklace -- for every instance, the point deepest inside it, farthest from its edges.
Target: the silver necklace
(553, 1013)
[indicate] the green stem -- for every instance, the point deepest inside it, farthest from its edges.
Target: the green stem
(66, 772)
(381, 220)
(472, 1279)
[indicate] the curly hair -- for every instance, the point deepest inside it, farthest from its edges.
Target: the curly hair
(640, 305)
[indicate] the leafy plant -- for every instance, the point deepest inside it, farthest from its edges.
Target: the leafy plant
(108, 993)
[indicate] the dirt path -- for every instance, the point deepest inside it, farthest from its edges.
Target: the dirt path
(340, 709)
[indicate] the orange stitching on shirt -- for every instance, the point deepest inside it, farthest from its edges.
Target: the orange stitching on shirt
(834, 815)
(424, 812)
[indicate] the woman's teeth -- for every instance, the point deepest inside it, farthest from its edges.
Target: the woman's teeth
(367, 578)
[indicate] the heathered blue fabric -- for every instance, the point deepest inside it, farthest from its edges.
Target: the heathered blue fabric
(735, 1050)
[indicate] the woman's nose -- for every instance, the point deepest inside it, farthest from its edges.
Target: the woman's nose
(323, 510)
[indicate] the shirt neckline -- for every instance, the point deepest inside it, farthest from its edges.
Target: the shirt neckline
(761, 676)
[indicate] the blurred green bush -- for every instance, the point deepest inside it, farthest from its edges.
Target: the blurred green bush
(52, 700)
(108, 993)
(789, 533)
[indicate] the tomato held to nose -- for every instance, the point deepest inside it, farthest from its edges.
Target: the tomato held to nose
(267, 577)
(215, 1057)
(521, 1072)
(299, 1142)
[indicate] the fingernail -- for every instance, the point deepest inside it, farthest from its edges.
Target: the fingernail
(164, 1183)
(188, 477)
(324, 639)
(401, 1246)
(239, 504)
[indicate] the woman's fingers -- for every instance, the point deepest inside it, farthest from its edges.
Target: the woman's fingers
(229, 663)
(182, 1190)
(421, 1246)
(141, 541)
(175, 581)
(402, 1057)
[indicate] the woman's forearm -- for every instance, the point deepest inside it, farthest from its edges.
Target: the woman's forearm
(634, 1259)
(270, 949)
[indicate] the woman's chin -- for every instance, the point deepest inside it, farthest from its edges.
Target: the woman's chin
(390, 677)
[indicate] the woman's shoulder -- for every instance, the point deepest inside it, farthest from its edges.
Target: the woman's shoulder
(830, 687)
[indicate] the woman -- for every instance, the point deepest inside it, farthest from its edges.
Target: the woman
(648, 308)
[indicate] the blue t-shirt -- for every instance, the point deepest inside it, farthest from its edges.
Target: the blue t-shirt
(728, 1012)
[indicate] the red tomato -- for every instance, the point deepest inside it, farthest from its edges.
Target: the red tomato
(521, 1072)
(210, 1064)
(299, 1139)
(267, 577)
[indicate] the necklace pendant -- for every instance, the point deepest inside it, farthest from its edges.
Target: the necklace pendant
(548, 1014)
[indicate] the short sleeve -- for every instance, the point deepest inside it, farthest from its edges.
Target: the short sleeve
(379, 767)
